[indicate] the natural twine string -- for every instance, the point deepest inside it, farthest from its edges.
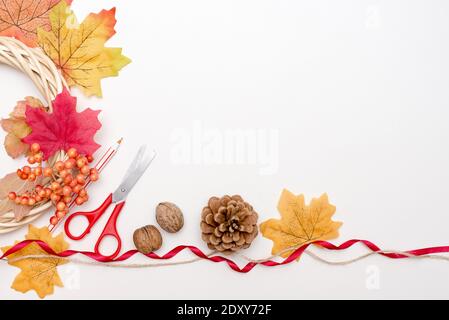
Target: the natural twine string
(189, 261)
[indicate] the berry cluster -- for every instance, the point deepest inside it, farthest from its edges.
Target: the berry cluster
(67, 181)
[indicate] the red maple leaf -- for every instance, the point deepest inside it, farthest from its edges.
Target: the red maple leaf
(64, 128)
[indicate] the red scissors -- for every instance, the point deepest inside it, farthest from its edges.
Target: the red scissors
(137, 168)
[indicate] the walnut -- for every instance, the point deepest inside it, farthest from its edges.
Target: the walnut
(169, 217)
(147, 239)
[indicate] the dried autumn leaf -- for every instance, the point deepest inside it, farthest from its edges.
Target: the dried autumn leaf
(14, 146)
(300, 223)
(64, 128)
(11, 182)
(17, 128)
(21, 106)
(40, 275)
(21, 18)
(79, 50)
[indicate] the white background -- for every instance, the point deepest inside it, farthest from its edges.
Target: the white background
(358, 93)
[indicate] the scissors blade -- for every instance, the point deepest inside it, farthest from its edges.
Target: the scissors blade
(136, 170)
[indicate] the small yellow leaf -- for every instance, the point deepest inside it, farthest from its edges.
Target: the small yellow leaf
(38, 274)
(79, 49)
(300, 223)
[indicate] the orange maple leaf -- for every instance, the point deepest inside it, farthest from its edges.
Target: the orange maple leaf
(300, 223)
(79, 51)
(21, 18)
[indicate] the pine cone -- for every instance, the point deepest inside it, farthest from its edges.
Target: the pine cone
(228, 224)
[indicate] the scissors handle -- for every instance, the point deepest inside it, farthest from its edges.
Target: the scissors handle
(91, 216)
(110, 230)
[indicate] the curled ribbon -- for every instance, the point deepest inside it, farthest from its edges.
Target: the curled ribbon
(248, 267)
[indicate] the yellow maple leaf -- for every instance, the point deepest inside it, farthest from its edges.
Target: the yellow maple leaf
(300, 223)
(40, 275)
(79, 51)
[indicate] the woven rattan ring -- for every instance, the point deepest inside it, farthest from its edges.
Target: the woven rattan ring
(42, 71)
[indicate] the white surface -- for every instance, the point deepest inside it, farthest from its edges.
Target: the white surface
(356, 90)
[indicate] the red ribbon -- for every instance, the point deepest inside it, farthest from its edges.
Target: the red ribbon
(248, 267)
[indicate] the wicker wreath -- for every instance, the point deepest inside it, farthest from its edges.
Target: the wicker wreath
(35, 64)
